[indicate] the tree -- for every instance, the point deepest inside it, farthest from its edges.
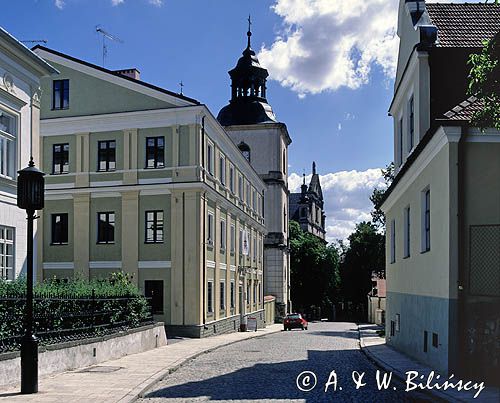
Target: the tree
(364, 255)
(484, 83)
(378, 217)
(314, 271)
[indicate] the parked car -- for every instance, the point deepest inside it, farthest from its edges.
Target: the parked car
(294, 321)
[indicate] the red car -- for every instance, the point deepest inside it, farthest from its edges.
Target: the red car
(295, 320)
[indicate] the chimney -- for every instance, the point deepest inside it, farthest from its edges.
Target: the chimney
(132, 73)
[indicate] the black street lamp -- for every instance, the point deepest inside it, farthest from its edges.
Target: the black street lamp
(30, 197)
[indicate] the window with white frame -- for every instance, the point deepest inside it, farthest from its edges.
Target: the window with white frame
(240, 243)
(223, 235)
(222, 295)
(400, 142)
(210, 158)
(411, 123)
(8, 134)
(232, 295)
(210, 296)
(222, 169)
(248, 194)
(407, 240)
(254, 200)
(7, 253)
(232, 239)
(393, 241)
(254, 249)
(231, 179)
(426, 220)
(240, 187)
(210, 229)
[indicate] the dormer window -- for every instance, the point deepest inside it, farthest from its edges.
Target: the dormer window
(245, 150)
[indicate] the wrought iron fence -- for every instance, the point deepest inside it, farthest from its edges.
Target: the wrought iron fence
(67, 317)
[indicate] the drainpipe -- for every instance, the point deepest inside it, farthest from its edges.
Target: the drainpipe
(461, 319)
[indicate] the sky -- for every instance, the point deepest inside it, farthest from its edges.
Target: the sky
(331, 65)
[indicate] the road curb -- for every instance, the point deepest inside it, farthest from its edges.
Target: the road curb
(139, 391)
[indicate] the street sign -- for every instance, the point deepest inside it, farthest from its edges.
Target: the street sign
(245, 243)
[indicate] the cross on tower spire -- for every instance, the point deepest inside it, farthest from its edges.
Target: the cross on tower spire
(249, 32)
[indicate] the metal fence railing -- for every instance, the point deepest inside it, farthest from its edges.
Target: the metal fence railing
(59, 318)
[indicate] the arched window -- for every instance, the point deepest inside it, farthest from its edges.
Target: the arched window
(245, 150)
(284, 162)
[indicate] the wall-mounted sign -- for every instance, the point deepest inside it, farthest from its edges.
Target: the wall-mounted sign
(245, 243)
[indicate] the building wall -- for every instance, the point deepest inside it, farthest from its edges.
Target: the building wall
(419, 286)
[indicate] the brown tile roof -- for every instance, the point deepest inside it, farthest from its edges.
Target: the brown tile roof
(464, 110)
(464, 25)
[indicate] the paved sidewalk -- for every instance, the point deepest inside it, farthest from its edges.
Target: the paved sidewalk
(123, 380)
(391, 360)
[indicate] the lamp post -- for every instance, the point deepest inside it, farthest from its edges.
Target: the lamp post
(30, 197)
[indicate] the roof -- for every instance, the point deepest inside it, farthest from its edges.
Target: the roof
(32, 57)
(464, 25)
(465, 110)
(293, 205)
(115, 73)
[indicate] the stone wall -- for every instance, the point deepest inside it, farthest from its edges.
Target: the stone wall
(82, 353)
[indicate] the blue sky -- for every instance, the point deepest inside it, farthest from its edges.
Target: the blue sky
(331, 64)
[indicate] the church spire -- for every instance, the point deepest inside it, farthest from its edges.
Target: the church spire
(249, 32)
(314, 168)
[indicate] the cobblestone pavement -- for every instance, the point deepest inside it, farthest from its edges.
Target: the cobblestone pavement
(267, 368)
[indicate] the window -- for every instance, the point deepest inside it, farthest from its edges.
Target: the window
(254, 200)
(245, 150)
(254, 293)
(426, 337)
(210, 159)
(232, 294)
(248, 194)
(155, 152)
(210, 296)
(398, 322)
(60, 94)
(106, 227)
(222, 169)
(411, 123)
(60, 159)
(222, 295)
(223, 236)
(426, 220)
(393, 327)
(400, 141)
(8, 126)
(407, 239)
(231, 179)
(284, 162)
(153, 290)
(6, 253)
(232, 239)
(254, 248)
(241, 242)
(210, 229)
(154, 226)
(106, 157)
(59, 229)
(393, 241)
(248, 293)
(435, 340)
(240, 187)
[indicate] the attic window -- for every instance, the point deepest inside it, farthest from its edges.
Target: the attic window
(245, 150)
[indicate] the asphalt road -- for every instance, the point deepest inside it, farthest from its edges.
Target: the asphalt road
(269, 368)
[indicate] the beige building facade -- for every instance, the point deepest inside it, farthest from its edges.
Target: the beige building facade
(146, 181)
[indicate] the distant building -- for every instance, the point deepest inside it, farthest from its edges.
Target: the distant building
(307, 207)
(377, 301)
(443, 207)
(20, 74)
(250, 122)
(144, 180)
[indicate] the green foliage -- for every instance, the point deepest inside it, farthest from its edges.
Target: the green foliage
(484, 83)
(364, 255)
(378, 217)
(314, 271)
(78, 306)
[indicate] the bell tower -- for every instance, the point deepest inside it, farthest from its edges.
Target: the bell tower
(250, 122)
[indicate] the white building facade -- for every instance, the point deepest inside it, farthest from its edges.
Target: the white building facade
(20, 73)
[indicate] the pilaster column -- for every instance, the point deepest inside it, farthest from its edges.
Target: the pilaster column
(81, 234)
(82, 159)
(130, 156)
(130, 234)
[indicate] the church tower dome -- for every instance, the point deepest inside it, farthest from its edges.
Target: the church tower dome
(248, 104)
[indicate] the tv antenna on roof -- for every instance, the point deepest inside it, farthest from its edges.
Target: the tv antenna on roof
(106, 35)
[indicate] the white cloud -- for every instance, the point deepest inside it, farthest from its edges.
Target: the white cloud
(116, 2)
(157, 3)
(59, 4)
(339, 127)
(347, 198)
(328, 44)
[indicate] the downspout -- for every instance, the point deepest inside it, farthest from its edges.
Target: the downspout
(461, 319)
(204, 260)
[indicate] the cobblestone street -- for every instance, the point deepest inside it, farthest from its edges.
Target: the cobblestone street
(267, 368)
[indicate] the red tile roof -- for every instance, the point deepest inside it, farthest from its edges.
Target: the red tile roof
(464, 24)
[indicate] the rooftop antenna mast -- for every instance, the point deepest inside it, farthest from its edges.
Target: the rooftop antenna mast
(106, 35)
